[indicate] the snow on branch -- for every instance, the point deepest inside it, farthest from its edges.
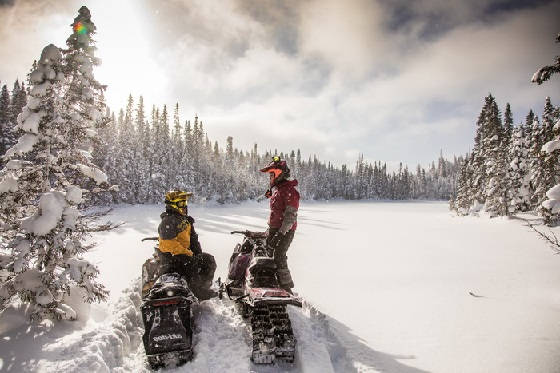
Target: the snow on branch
(545, 72)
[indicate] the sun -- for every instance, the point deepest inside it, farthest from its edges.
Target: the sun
(128, 63)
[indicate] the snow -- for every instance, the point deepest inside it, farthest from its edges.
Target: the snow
(94, 114)
(31, 123)
(51, 207)
(9, 184)
(553, 201)
(16, 164)
(552, 205)
(44, 297)
(74, 194)
(96, 174)
(387, 289)
(41, 89)
(50, 54)
(551, 146)
(554, 192)
(24, 145)
(71, 215)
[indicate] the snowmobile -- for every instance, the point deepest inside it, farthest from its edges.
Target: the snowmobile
(252, 283)
(167, 316)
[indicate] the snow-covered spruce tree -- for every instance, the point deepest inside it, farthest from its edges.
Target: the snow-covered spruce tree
(143, 134)
(45, 264)
(478, 163)
(550, 208)
(508, 126)
(177, 151)
(5, 127)
(535, 137)
(518, 172)
(127, 155)
(550, 164)
(463, 199)
(495, 154)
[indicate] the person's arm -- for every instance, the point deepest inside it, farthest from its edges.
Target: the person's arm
(290, 212)
(195, 243)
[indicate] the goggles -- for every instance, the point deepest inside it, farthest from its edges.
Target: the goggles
(181, 204)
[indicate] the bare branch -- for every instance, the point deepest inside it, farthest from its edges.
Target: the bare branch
(105, 227)
(552, 240)
(98, 213)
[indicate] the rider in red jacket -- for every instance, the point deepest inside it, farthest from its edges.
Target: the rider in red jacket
(282, 224)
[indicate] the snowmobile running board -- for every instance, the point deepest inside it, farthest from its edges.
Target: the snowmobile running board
(258, 296)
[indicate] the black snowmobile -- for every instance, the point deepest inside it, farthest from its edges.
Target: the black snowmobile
(167, 315)
(253, 284)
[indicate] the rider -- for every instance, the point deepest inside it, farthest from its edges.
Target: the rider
(284, 204)
(179, 249)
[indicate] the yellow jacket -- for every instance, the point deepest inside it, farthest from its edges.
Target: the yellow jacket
(177, 235)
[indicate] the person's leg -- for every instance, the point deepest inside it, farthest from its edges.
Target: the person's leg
(204, 275)
(175, 263)
(281, 259)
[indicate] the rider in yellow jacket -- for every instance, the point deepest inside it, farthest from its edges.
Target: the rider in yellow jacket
(179, 249)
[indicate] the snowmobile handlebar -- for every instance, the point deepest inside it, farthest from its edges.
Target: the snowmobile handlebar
(250, 234)
(150, 239)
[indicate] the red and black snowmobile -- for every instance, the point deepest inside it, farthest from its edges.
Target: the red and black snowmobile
(253, 284)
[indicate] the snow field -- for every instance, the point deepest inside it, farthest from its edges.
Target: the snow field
(391, 281)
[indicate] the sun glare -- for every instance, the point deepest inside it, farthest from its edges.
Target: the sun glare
(128, 64)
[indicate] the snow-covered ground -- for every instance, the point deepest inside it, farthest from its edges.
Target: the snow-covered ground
(387, 286)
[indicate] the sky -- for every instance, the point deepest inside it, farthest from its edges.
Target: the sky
(393, 80)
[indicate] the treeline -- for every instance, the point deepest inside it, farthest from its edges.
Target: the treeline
(511, 169)
(11, 104)
(147, 154)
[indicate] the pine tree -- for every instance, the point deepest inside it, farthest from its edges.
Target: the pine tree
(479, 157)
(518, 172)
(127, 155)
(461, 203)
(536, 166)
(177, 150)
(5, 127)
(508, 125)
(495, 154)
(550, 152)
(46, 261)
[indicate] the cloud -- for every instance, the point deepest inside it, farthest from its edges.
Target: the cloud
(6, 3)
(395, 80)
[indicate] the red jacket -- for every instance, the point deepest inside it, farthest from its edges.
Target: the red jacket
(283, 195)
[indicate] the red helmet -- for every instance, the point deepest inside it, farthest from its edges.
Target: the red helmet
(278, 170)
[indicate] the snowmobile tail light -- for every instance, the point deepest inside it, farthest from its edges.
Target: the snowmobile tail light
(165, 302)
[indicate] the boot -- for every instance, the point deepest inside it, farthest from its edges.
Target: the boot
(285, 279)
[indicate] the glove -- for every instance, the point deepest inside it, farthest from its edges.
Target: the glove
(275, 240)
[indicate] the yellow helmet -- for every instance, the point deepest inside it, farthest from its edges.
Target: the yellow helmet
(177, 200)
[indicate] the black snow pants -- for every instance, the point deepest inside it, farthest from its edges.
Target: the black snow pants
(198, 270)
(281, 259)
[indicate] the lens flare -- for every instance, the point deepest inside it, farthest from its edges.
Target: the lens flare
(80, 28)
